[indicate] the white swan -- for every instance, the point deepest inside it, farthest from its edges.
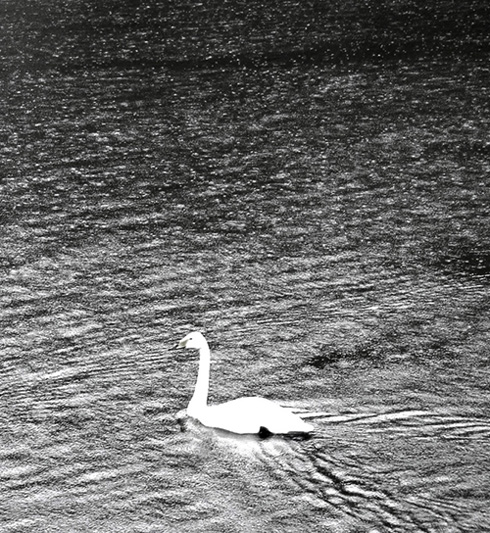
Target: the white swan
(244, 415)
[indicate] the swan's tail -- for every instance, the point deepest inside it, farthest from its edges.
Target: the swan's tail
(300, 426)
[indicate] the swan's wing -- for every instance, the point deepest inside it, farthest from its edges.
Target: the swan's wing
(249, 415)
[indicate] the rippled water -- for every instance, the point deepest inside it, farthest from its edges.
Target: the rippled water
(322, 218)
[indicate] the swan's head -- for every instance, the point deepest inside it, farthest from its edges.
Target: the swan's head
(194, 340)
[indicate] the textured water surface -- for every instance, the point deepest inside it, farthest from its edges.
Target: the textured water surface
(316, 202)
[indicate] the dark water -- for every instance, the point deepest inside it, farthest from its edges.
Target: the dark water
(306, 183)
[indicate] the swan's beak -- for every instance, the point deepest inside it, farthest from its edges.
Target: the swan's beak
(182, 343)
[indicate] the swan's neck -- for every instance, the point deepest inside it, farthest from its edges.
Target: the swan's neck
(199, 399)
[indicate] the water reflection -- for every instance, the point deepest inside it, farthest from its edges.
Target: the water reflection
(325, 223)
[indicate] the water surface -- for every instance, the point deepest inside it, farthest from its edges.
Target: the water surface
(320, 213)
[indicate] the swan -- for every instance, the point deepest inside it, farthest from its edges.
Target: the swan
(244, 415)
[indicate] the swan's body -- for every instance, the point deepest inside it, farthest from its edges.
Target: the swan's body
(244, 415)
